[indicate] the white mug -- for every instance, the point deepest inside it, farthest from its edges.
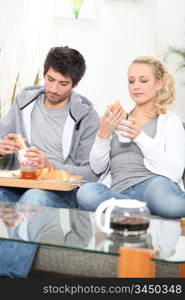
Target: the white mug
(121, 138)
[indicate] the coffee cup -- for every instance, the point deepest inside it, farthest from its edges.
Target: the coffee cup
(121, 138)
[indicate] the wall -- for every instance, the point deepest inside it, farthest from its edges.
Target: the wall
(120, 32)
(170, 30)
(109, 43)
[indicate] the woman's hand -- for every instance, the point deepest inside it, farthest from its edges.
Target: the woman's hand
(37, 156)
(109, 122)
(130, 130)
(8, 145)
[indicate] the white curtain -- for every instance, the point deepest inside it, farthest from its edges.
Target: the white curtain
(25, 36)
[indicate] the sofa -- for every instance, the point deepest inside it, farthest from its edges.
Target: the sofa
(58, 263)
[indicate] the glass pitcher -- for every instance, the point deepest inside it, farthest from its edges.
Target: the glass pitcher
(123, 216)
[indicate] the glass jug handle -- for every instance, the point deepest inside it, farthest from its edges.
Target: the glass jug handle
(109, 205)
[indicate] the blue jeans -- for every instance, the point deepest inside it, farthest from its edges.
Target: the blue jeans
(163, 197)
(59, 199)
(16, 257)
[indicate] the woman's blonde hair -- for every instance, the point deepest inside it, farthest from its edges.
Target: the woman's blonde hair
(166, 95)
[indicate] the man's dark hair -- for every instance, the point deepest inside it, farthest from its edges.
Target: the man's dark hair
(67, 61)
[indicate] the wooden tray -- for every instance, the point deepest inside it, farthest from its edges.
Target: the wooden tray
(59, 185)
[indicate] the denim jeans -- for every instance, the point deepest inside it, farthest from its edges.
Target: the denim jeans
(16, 257)
(163, 197)
(59, 199)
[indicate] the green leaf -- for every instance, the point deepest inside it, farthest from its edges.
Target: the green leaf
(76, 6)
(178, 51)
(37, 79)
(14, 90)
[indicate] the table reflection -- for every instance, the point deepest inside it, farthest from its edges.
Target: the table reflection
(67, 227)
(77, 229)
(162, 235)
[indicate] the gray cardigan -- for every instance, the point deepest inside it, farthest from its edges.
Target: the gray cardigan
(78, 134)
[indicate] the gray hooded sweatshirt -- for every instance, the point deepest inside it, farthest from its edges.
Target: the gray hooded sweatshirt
(79, 131)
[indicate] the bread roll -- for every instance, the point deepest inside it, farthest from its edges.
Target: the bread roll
(117, 105)
(21, 142)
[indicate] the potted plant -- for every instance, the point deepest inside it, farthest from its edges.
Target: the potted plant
(180, 52)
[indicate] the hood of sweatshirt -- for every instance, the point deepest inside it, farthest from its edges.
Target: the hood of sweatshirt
(79, 105)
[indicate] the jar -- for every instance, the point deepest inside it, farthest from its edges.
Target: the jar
(123, 216)
(28, 167)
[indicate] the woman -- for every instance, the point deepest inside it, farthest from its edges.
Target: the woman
(150, 168)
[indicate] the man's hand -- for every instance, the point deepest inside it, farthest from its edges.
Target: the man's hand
(9, 145)
(37, 156)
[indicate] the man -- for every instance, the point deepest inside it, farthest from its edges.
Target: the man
(61, 125)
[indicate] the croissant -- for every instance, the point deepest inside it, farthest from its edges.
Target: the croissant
(47, 173)
(52, 174)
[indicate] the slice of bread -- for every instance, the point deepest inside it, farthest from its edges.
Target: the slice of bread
(21, 142)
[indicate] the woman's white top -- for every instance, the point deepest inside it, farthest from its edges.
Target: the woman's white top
(163, 155)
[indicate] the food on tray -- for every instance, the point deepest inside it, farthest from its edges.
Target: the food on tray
(21, 142)
(10, 174)
(16, 173)
(117, 105)
(52, 174)
(46, 173)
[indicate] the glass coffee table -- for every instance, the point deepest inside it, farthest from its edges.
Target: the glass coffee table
(76, 231)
